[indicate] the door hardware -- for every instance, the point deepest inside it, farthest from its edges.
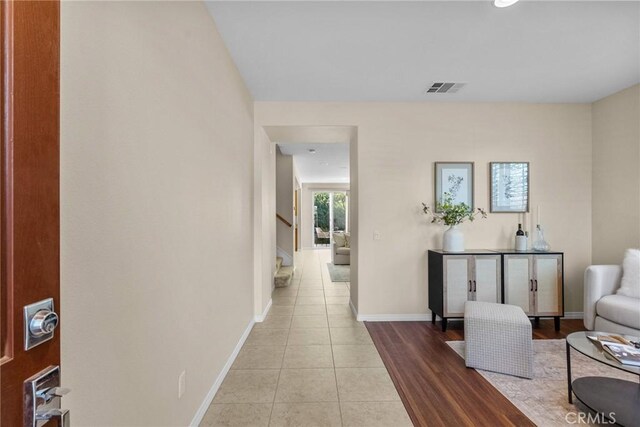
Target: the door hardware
(40, 322)
(43, 322)
(48, 394)
(42, 399)
(62, 415)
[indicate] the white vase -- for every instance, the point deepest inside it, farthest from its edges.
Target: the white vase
(453, 240)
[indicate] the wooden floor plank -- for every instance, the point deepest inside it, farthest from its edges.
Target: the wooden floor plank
(433, 382)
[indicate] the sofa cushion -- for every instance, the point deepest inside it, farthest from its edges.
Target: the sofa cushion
(620, 309)
(343, 251)
(339, 240)
(347, 240)
(630, 283)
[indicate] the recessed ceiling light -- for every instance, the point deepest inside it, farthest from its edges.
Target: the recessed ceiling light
(504, 3)
(312, 150)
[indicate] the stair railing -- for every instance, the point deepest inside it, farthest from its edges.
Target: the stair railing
(283, 220)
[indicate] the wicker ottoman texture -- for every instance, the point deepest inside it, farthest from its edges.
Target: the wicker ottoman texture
(498, 338)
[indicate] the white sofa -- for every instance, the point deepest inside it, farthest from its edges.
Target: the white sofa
(604, 310)
(340, 250)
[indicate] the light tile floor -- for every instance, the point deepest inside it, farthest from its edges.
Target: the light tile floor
(310, 363)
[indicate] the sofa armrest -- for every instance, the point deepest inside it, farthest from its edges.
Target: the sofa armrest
(599, 281)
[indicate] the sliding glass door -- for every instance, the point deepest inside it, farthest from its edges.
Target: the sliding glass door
(339, 208)
(330, 213)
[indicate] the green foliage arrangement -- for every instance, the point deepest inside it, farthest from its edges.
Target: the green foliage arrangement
(449, 213)
(321, 203)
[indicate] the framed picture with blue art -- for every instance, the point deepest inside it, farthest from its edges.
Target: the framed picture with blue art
(454, 180)
(509, 187)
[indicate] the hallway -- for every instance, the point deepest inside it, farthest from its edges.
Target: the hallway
(310, 363)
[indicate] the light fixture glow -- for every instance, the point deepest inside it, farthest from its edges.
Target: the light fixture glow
(504, 3)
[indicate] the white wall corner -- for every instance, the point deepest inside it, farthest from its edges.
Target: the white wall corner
(353, 309)
(260, 317)
(287, 259)
(197, 418)
(573, 315)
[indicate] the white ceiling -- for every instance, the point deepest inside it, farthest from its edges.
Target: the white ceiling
(329, 164)
(534, 51)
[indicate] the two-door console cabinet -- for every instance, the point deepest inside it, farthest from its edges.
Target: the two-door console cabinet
(531, 280)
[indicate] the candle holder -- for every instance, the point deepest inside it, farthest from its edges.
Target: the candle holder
(540, 245)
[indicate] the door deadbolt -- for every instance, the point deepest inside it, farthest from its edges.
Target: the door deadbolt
(43, 322)
(40, 322)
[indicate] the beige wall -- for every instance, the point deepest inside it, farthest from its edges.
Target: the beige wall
(156, 221)
(264, 231)
(397, 144)
(616, 175)
(284, 202)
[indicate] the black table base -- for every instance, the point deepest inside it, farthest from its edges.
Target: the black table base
(617, 400)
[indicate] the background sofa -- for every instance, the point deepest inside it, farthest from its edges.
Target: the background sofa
(340, 249)
(604, 309)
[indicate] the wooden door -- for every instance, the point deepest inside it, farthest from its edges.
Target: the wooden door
(548, 284)
(486, 277)
(457, 284)
(29, 267)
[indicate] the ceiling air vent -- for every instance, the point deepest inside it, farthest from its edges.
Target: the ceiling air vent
(445, 87)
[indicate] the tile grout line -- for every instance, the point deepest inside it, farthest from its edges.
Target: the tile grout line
(275, 393)
(333, 359)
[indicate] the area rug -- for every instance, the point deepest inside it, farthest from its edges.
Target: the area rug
(543, 399)
(339, 273)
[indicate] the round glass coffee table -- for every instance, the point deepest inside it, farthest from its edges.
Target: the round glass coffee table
(615, 399)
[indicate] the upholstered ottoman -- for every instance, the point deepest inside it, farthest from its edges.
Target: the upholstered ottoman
(498, 338)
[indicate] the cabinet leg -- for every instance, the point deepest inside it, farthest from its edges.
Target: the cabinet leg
(556, 321)
(433, 317)
(444, 324)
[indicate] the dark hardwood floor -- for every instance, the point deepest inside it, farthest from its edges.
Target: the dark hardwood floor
(433, 382)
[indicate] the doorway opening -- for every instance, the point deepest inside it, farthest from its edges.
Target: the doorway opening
(308, 219)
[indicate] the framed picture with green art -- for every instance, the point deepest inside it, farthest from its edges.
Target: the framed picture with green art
(454, 180)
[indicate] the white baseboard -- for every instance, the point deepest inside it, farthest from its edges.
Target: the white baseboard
(197, 418)
(260, 317)
(573, 315)
(393, 317)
